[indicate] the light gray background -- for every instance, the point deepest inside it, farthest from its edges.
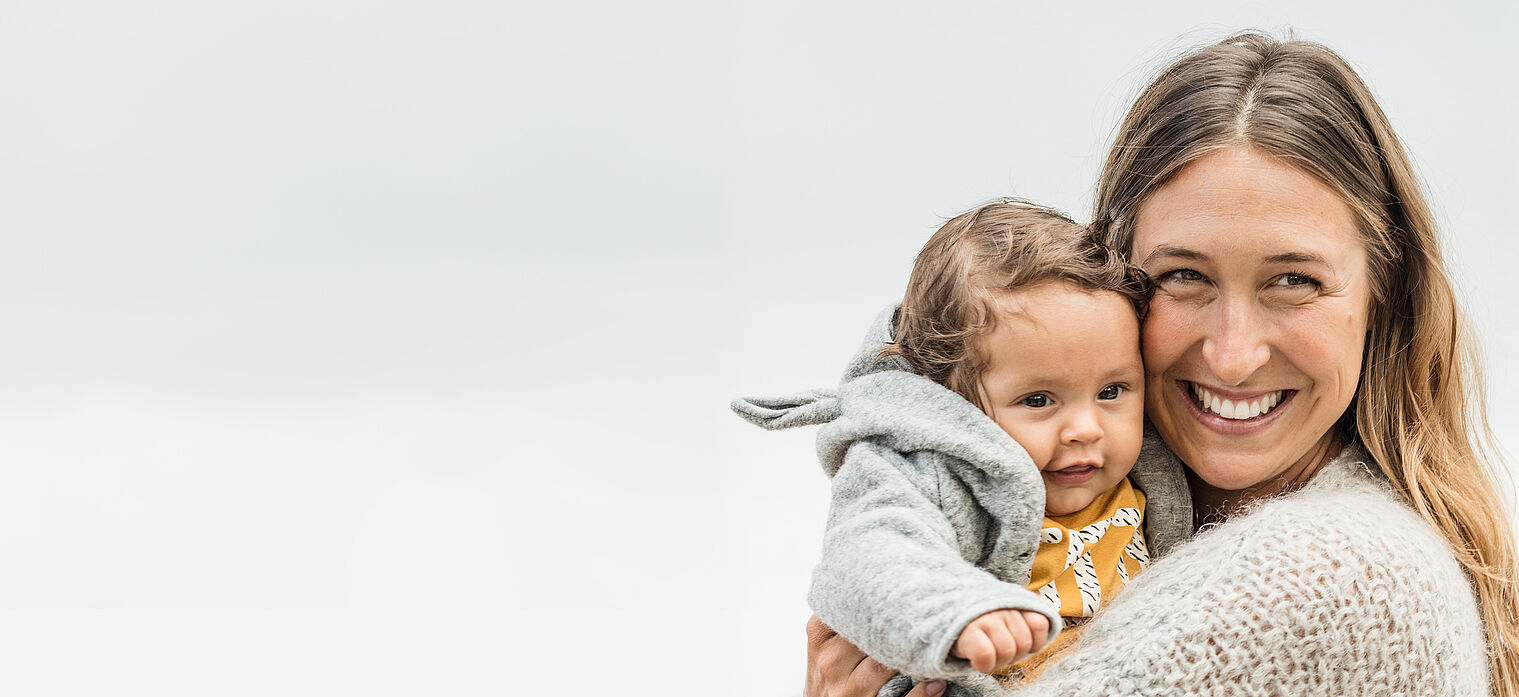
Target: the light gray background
(384, 348)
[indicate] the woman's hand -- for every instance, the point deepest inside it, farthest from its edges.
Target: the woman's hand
(837, 668)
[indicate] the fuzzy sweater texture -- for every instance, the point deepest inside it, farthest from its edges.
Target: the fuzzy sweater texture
(1338, 588)
(935, 515)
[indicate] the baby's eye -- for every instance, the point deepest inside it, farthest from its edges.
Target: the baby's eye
(1036, 401)
(1110, 392)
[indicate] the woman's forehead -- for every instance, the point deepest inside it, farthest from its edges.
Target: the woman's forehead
(1239, 202)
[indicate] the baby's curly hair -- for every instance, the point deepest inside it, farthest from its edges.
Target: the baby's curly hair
(1009, 244)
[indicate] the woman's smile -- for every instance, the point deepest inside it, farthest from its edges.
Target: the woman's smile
(1236, 407)
(1233, 412)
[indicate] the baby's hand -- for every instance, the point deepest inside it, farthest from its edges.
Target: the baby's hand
(1001, 638)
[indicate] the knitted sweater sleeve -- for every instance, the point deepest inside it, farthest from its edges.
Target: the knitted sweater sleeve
(892, 577)
(1338, 589)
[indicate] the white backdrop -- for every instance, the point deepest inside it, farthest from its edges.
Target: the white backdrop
(385, 348)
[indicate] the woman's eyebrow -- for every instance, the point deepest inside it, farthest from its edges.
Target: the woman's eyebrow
(1297, 258)
(1171, 251)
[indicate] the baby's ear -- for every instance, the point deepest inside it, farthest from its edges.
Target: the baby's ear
(808, 408)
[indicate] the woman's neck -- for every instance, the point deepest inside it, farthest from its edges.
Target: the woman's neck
(1212, 505)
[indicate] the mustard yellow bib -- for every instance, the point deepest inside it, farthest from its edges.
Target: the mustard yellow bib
(1086, 557)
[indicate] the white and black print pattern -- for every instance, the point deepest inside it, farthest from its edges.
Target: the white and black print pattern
(1078, 557)
(1087, 584)
(1137, 551)
(1049, 593)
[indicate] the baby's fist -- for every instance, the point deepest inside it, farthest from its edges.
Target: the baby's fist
(1001, 638)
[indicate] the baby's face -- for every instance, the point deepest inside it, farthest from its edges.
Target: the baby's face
(1064, 379)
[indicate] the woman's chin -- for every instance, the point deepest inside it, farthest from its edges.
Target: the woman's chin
(1225, 463)
(1231, 474)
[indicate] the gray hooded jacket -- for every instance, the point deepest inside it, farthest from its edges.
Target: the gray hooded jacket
(936, 512)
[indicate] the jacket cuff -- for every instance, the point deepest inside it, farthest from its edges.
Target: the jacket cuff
(1007, 599)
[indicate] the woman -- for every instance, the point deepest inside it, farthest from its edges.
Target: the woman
(1306, 360)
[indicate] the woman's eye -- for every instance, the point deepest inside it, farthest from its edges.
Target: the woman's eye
(1036, 400)
(1110, 392)
(1294, 279)
(1183, 275)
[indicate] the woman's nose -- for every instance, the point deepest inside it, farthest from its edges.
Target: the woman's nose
(1236, 347)
(1083, 427)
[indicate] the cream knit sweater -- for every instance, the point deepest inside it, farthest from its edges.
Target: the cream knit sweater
(1339, 588)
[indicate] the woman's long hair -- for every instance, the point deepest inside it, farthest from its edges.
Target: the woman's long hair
(1420, 407)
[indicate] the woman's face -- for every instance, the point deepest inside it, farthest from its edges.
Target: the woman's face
(1254, 338)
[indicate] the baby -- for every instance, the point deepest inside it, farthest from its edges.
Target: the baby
(979, 446)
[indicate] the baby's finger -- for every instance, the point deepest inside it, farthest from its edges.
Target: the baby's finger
(1039, 629)
(1002, 641)
(1020, 638)
(975, 646)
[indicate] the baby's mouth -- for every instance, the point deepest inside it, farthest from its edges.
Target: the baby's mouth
(1074, 474)
(1236, 409)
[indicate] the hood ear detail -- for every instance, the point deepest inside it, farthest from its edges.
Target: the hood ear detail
(810, 408)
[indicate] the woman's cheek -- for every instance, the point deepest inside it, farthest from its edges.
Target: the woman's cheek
(1328, 351)
(1170, 329)
(1167, 332)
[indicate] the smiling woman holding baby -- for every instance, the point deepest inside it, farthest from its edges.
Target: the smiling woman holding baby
(1306, 360)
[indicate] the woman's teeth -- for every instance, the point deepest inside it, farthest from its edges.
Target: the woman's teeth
(1232, 409)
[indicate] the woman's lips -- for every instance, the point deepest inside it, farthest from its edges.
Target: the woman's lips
(1075, 474)
(1266, 407)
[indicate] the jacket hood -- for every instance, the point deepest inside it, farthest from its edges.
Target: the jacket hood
(884, 401)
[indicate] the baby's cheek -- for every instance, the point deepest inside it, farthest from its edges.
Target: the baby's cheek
(1040, 444)
(1133, 434)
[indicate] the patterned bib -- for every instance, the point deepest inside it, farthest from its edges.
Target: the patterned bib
(1086, 557)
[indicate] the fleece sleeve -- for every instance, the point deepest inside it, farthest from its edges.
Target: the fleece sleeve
(1332, 592)
(892, 578)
